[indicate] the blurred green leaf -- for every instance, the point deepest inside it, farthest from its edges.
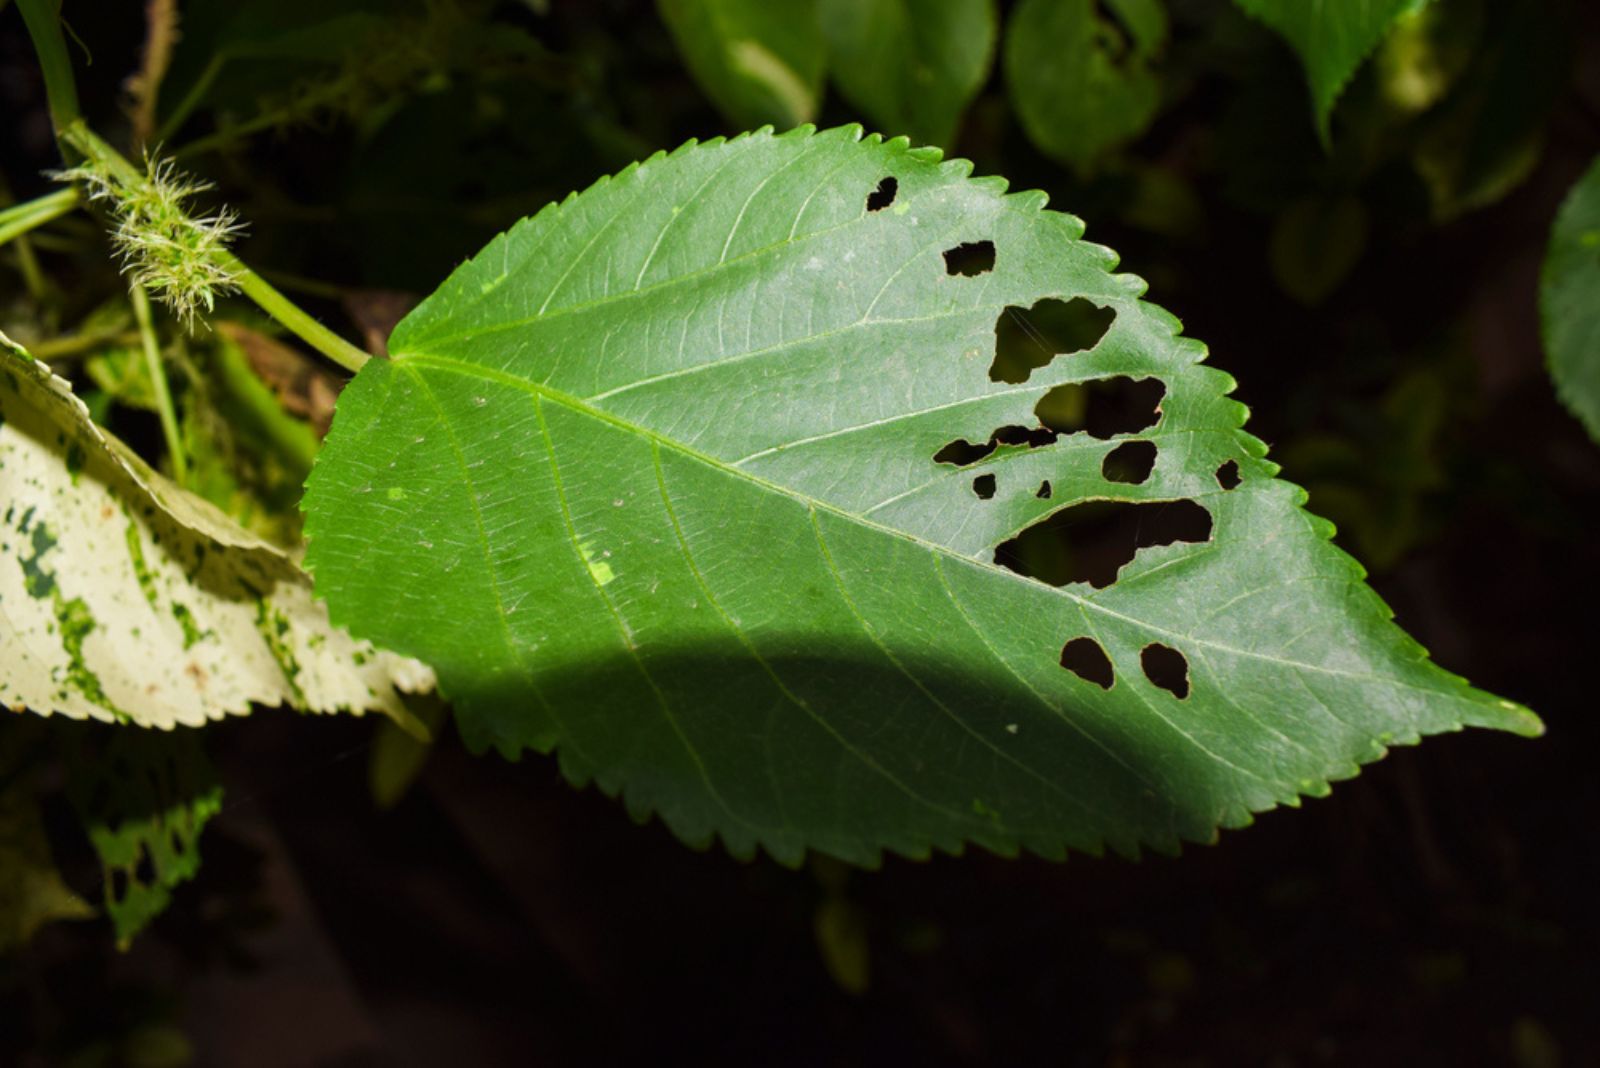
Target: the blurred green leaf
(1376, 474)
(759, 62)
(1332, 37)
(144, 797)
(1081, 80)
(398, 756)
(32, 892)
(233, 54)
(1487, 135)
(1427, 51)
(1163, 202)
(841, 929)
(121, 371)
(911, 66)
(1569, 300)
(1316, 242)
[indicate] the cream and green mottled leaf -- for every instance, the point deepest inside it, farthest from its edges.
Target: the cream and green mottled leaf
(652, 482)
(126, 600)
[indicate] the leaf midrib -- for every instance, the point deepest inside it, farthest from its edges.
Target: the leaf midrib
(488, 374)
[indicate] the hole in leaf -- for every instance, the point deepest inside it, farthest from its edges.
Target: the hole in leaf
(1228, 475)
(119, 885)
(1085, 659)
(1167, 668)
(145, 871)
(1092, 541)
(1032, 437)
(1131, 462)
(1044, 490)
(961, 452)
(1026, 339)
(983, 486)
(970, 258)
(883, 196)
(1103, 408)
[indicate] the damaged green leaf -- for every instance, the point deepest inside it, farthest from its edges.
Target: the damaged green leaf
(708, 479)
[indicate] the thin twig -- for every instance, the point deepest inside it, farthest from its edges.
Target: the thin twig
(144, 86)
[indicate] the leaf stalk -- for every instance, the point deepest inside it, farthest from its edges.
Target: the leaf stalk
(20, 218)
(158, 384)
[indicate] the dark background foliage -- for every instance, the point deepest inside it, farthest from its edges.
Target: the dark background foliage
(1439, 910)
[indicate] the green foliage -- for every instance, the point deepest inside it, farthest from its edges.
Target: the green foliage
(700, 539)
(759, 62)
(1316, 243)
(688, 476)
(1332, 38)
(1105, 95)
(398, 756)
(911, 67)
(1569, 300)
(144, 797)
(1484, 139)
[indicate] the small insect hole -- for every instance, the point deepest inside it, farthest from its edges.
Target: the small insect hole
(970, 258)
(883, 196)
(1085, 659)
(1228, 475)
(983, 486)
(1167, 668)
(1129, 463)
(1044, 490)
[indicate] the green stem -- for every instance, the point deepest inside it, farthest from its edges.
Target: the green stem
(99, 154)
(158, 385)
(253, 408)
(28, 266)
(60, 348)
(293, 317)
(191, 100)
(20, 218)
(43, 19)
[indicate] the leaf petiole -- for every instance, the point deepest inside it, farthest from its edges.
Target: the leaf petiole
(20, 218)
(158, 384)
